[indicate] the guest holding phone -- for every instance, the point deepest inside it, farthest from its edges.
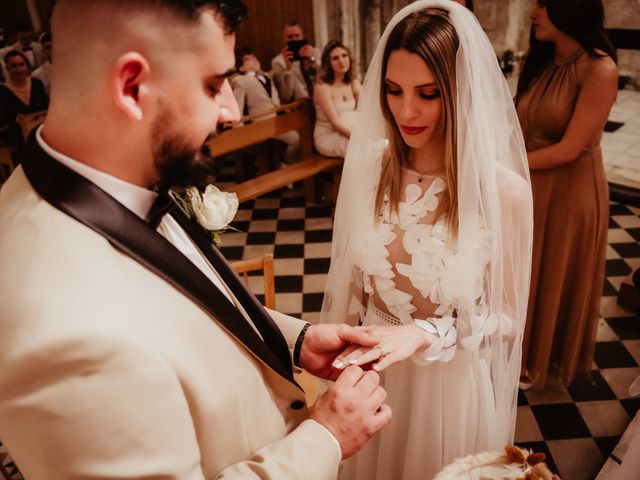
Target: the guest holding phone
(295, 66)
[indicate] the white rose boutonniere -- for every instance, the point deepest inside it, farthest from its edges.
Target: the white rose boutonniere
(214, 209)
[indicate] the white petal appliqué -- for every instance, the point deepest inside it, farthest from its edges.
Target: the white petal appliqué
(471, 342)
(435, 270)
(412, 193)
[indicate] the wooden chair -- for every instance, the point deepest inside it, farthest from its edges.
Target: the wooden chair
(243, 267)
(29, 121)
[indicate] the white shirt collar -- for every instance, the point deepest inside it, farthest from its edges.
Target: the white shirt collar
(133, 197)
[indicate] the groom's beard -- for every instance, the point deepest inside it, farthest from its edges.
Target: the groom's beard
(177, 163)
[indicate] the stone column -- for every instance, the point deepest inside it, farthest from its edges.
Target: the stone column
(350, 28)
(372, 15)
(518, 26)
(34, 15)
(320, 23)
(625, 14)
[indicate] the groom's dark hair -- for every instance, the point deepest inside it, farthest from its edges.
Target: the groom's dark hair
(230, 13)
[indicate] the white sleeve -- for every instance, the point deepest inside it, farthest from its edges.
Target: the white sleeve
(445, 329)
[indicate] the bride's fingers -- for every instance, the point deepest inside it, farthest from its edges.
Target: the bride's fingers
(368, 356)
(354, 358)
(342, 360)
(383, 363)
(397, 355)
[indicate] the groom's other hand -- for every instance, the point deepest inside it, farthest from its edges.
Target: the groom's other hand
(353, 409)
(324, 342)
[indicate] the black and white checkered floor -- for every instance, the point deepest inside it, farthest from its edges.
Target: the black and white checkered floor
(578, 427)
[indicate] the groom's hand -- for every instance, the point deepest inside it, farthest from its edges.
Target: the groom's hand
(353, 409)
(324, 342)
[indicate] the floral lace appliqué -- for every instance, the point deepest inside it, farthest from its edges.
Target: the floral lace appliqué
(434, 271)
(377, 269)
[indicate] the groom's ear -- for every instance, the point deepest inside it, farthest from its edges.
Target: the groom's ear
(130, 85)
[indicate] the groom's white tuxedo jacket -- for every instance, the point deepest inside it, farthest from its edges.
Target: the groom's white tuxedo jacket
(116, 363)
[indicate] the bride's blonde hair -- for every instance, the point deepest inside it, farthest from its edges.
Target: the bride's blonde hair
(429, 34)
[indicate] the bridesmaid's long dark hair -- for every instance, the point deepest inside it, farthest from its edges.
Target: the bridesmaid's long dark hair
(582, 20)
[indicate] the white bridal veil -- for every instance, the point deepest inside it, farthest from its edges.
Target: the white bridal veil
(494, 208)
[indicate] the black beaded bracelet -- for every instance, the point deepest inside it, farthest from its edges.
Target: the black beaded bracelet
(298, 345)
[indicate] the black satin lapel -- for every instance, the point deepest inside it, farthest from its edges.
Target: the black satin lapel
(84, 201)
(270, 332)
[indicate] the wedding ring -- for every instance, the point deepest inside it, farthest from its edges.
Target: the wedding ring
(382, 354)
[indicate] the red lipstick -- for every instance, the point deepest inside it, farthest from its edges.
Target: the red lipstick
(412, 130)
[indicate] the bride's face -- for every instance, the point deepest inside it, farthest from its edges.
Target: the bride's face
(413, 98)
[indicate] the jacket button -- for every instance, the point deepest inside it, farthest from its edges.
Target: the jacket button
(297, 404)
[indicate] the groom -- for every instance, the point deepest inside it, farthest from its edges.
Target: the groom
(128, 348)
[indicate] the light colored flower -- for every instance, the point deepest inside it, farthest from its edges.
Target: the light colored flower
(214, 210)
(497, 466)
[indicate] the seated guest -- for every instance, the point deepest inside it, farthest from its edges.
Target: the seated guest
(20, 93)
(295, 67)
(256, 94)
(43, 72)
(335, 97)
(25, 44)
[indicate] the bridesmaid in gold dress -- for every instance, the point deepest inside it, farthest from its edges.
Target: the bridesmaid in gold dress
(565, 92)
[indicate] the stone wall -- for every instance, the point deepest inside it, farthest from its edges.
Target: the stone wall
(506, 23)
(625, 14)
(359, 24)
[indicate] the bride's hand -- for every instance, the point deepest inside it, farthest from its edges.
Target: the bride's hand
(397, 343)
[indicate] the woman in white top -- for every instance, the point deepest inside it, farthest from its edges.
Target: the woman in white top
(335, 97)
(432, 243)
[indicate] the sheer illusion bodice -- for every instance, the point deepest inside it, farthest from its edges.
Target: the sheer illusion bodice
(391, 262)
(410, 270)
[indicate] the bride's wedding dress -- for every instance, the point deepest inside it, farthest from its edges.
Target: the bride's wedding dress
(468, 288)
(442, 400)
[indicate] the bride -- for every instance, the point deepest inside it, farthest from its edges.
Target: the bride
(432, 243)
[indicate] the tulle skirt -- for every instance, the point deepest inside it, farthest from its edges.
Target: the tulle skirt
(441, 412)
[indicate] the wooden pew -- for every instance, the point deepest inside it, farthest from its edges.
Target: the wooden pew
(259, 128)
(256, 129)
